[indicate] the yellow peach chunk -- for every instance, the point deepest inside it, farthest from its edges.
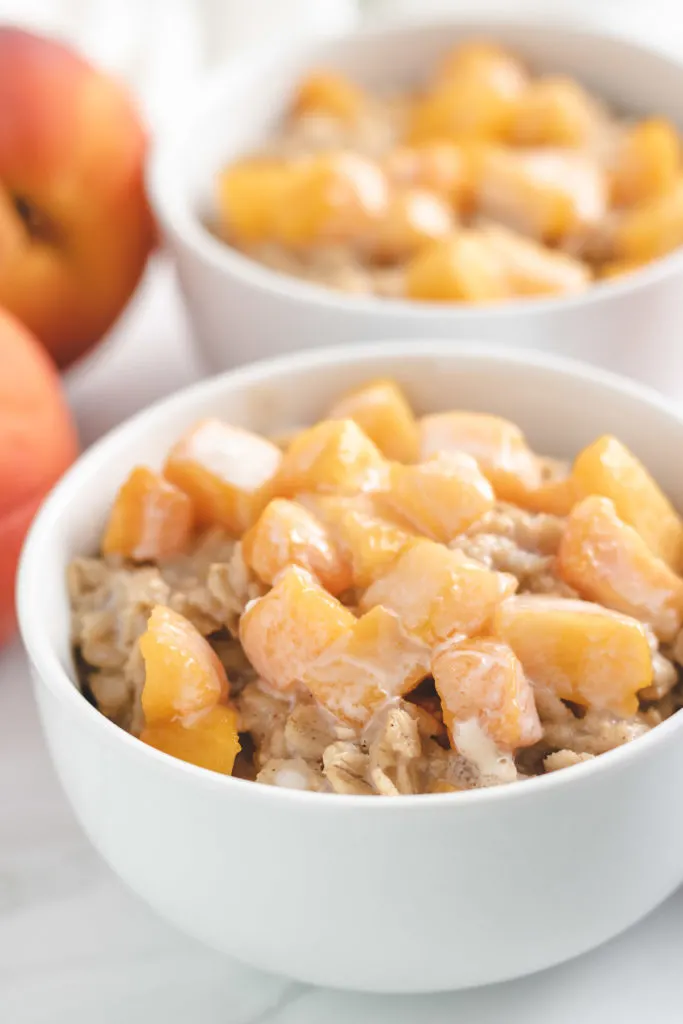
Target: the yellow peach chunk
(285, 534)
(647, 163)
(330, 508)
(283, 632)
(333, 456)
(150, 518)
(182, 672)
(534, 269)
(208, 740)
(580, 651)
(460, 110)
(606, 467)
(484, 60)
(555, 494)
(380, 409)
(608, 562)
(483, 681)
(330, 94)
(554, 111)
(441, 786)
(331, 198)
(440, 497)
(413, 218)
(498, 445)
(444, 168)
(544, 193)
(473, 97)
(439, 593)
(463, 268)
(617, 268)
(652, 228)
(227, 472)
(373, 661)
(249, 194)
(369, 541)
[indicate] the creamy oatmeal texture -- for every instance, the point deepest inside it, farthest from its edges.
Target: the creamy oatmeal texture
(486, 183)
(387, 605)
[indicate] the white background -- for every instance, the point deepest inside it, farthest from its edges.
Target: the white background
(75, 947)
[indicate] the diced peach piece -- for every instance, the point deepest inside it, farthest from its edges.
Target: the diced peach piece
(463, 268)
(554, 111)
(330, 508)
(483, 680)
(374, 660)
(413, 219)
(283, 632)
(182, 672)
(441, 786)
(439, 593)
(498, 445)
(285, 534)
(440, 497)
(474, 95)
(555, 496)
(334, 456)
(606, 467)
(534, 269)
(369, 541)
(332, 198)
(651, 229)
(460, 110)
(580, 651)
(330, 94)
(647, 163)
(544, 193)
(150, 518)
(441, 167)
(380, 409)
(617, 268)
(484, 59)
(608, 562)
(249, 193)
(227, 472)
(209, 740)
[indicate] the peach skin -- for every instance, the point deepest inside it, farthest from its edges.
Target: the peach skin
(37, 443)
(75, 226)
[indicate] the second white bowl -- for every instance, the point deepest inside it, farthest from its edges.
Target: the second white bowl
(242, 311)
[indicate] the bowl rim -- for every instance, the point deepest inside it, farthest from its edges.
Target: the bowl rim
(49, 672)
(178, 218)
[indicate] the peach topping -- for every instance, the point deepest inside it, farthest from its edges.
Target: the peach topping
(373, 557)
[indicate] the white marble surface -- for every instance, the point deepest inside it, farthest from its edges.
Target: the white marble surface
(77, 948)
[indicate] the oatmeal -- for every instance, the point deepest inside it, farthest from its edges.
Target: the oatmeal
(383, 604)
(488, 183)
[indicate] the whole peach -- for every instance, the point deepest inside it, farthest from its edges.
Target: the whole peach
(75, 226)
(37, 443)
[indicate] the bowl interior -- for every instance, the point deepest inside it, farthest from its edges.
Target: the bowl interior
(560, 405)
(243, 105)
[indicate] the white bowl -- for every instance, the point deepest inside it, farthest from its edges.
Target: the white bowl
(412, 894)
(241, 311)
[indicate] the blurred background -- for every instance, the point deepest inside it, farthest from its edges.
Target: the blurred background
(162, 47)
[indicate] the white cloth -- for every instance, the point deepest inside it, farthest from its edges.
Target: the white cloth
(162, 47)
